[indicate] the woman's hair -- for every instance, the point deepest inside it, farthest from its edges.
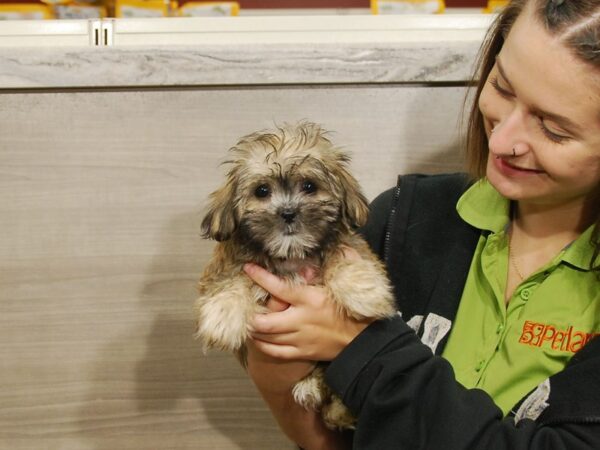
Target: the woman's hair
(576, 23)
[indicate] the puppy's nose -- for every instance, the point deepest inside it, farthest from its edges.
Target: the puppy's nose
(288, 215)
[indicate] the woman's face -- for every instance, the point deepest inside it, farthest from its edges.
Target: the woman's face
(545, 104)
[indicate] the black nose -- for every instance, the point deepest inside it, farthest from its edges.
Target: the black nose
(288, 215)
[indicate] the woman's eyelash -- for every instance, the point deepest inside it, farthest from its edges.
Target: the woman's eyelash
(550, 135)
(503, 92)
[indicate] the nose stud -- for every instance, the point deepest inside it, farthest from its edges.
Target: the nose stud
(514, 149)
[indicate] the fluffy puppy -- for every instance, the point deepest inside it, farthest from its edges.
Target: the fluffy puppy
(289, 202)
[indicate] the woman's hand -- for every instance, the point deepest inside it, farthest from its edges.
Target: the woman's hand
(306, 324)
(273, 375)
(285, 346)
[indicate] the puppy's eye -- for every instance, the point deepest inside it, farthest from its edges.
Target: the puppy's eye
(262, 191)
(309, 187)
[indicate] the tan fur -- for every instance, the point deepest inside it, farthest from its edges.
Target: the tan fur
(308, 217)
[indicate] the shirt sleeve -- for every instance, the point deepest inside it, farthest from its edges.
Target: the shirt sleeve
(404, 397)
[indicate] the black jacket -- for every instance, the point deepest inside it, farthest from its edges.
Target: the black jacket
(404, 395)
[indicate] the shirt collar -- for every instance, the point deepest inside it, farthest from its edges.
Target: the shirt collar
(484, 208)
(579, 252)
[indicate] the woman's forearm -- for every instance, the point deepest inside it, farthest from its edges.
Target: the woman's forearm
(304, 427)
(275, 380)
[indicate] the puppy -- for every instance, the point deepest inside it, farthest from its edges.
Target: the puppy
(289, 202)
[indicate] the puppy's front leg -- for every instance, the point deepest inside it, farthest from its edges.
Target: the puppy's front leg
(224, 310)
(361, 288)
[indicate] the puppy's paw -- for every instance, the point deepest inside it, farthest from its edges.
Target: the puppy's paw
(337, 416)
(362, 289)
(310, 391)
(221, 324)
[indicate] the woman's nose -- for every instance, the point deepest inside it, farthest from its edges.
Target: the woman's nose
(509, 134)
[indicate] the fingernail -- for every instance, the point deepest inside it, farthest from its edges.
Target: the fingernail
(249, 268)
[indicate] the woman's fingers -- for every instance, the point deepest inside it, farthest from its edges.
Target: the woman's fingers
(277, 339)
(276, 305)
(273, 323)
(278, 351)
(303, 322)
(271, 283)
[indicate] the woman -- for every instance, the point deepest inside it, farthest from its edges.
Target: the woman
(504, 298)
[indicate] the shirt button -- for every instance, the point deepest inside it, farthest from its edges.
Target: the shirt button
(525, 294)
(479, 366)
(500, 328)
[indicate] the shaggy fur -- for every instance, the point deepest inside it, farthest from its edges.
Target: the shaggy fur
(288, 202)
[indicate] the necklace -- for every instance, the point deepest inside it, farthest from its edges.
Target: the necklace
(511, 255)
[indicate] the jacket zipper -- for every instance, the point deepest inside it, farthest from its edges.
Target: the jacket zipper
(584, 420)
(388, 230)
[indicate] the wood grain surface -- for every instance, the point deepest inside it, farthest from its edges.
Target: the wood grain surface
(102, 194)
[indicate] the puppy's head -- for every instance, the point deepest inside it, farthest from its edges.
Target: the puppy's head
(288, 193)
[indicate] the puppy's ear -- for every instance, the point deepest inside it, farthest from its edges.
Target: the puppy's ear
(355, 209)
(221, 220)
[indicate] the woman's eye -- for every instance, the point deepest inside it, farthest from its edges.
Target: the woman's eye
(499, 89)
(554, 137)
(309, 187)
(262, 191)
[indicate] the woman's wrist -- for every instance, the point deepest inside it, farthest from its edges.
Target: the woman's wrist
(275, 375)
(275, 381)
(306, 427)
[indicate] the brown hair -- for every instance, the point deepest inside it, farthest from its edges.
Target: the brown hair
(577, 22)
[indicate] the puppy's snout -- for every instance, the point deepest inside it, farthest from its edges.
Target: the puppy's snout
(288, 215)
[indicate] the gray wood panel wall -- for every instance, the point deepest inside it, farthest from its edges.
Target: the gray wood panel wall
(102, 196)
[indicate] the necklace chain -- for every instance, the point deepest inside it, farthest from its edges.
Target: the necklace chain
(511, 255)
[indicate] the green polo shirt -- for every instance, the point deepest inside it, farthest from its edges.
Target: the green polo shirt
(508, 350)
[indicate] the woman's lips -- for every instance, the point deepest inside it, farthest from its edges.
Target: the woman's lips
(510, 170)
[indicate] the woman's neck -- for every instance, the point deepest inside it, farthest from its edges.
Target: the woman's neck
(537, 235)
(556, 222)
(539, 232)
